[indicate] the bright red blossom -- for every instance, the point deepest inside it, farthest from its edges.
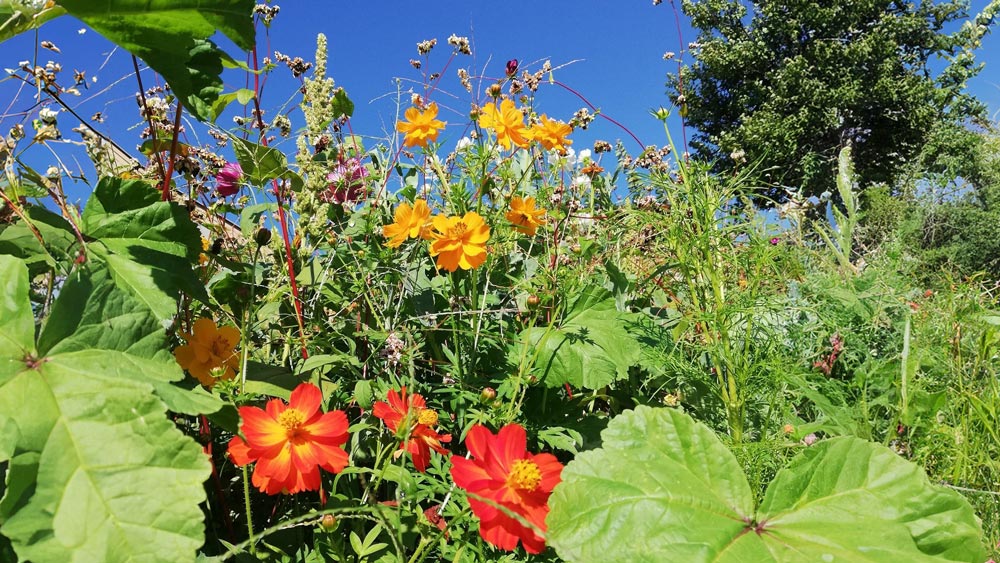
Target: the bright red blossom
(502, 472)
(411, 420)
(289, 443)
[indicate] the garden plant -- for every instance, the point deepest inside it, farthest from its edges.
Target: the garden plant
(266, 336)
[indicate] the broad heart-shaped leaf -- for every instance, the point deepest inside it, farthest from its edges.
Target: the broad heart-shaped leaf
(98, 473)
(148, 245)
(172, 38)
(117, 481)
(17, 324)
(663, 488)
(590, 347)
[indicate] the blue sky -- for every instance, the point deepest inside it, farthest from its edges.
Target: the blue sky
(614, 57)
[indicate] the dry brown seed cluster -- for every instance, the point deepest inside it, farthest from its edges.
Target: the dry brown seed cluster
(461, 44)
(424, 47)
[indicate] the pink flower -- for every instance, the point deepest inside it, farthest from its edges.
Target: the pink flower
(346, 182)
(227, 181)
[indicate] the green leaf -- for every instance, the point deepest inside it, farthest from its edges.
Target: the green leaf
(250, 217)
(260, 164)
(148, 245)
(590, 347)
(341, 104)
(17, 324)
(18, 16)
(92, 313)
(172, 38)
(117, 481)
(243, 96)
(663, 488)
(9, 436)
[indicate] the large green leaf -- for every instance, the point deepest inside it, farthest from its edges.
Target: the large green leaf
(117, 481)
(590, 347)
(172, 38)
(99, 472)
(148, 245)
(17, 324)
(663, 488)
(18, 16)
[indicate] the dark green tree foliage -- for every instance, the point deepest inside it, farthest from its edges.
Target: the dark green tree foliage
(789, 83)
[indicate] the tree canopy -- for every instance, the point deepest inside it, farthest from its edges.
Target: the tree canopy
(787, 84)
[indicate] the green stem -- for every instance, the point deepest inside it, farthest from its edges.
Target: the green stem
(246, 500)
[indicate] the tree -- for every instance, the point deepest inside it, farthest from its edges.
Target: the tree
(787, 84)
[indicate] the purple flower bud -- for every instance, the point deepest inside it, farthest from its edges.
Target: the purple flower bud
(512, 67)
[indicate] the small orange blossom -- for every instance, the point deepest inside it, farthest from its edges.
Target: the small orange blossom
(507, 122)
(210, 352)
(410, 223)
(420, 127)
(459, 242)
(525, 216)
(551, 134)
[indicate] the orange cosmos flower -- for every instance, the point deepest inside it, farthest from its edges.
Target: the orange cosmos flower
(420, 126)
(410, 223)
(502, 473)
(507, 123)
(210, 352)
(459, 242)
(289, 443)
(413, 422)
(551, 134)
(525, 216)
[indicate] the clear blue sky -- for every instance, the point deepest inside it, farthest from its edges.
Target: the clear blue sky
(618, 53)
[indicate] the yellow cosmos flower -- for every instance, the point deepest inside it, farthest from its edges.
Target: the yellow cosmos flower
(420, 127)
(551, 134)
(507, 122)
(410, 223)
(525, 216)
(459, 242)
(210, 352)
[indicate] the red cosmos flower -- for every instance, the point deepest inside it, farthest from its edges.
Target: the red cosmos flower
(503, 473)
(291, 442)
(413, 422)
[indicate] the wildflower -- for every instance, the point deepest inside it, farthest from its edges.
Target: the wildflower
(420, 126)
(289, 443)
(210, 352)
(413, 423)
(511, 67)
(346, 182)
(227, 181)
(551, 134)
(410, 222)
(525, 216)
(507, 122)
(503, 474)
(205, 245)
(459, 242)
(775, 240)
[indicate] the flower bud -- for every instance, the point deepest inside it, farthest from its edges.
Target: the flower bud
(262, 236)
(488, 394)
(329, 522)
(533, 302)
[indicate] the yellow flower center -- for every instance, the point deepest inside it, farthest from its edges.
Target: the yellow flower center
(292, 420)
(458, 230)
(427, 417)
(524, 476)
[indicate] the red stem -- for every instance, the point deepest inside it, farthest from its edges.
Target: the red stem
(586, 101)
(282, 220)
(173, 152)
